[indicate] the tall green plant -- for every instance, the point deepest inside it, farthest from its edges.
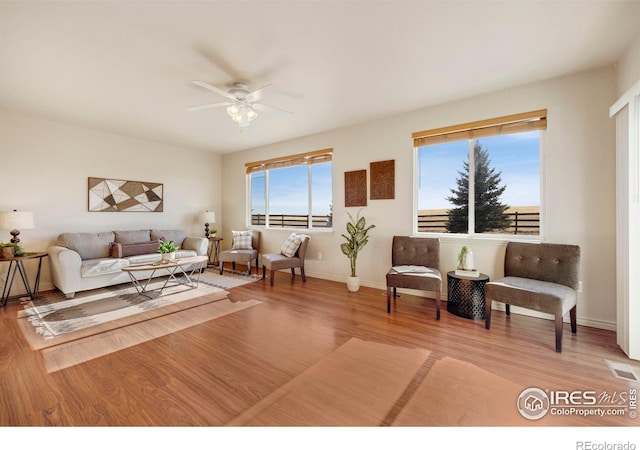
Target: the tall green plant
(356, 240)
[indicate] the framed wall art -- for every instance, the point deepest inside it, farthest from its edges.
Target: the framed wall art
(109, 195)
(383, 179)
(355, 188)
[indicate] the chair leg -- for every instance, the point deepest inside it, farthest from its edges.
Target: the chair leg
(272, 276)
(487, 313)
(389, 299)
(438, 305)
(293, 273)
(264, 272)
(507, 309)
(249, 268)
(221, 267)
(304, 277)
(574, 323)
(559, 325)
(233, 265)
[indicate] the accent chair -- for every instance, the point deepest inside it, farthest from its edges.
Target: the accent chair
(542, 277)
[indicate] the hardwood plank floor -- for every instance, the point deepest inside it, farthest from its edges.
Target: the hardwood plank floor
(208, 374)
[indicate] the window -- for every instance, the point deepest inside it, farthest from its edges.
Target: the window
(291, 192)
(480, 178)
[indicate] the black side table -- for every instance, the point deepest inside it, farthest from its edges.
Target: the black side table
(465, 295)
(16, 264)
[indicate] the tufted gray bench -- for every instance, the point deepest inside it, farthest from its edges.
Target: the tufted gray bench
(542, 277)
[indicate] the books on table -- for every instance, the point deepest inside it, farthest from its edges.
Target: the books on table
(468, 273)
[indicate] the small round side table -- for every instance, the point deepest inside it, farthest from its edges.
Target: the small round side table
(465, 295)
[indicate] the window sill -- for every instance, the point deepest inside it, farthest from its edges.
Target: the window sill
(490, 239)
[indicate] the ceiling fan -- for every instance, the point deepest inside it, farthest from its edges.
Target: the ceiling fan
(242, 104)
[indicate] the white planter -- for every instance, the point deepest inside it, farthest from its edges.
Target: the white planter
(166, 256)
(353, 284)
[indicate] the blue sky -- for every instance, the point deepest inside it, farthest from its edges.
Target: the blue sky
(516, 155)
(288, 190)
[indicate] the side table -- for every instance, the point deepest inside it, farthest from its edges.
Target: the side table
(16, 264)
(214, 248)
(465, 295)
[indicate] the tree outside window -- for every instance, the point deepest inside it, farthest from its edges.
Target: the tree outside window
(504, 174)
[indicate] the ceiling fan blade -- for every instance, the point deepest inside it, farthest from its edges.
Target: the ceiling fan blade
(208, 105)
(270, 109)
(213, 89)
(256, 95)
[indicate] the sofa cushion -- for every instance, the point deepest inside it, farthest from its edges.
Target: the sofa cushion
(177, 236)
(132, 236)
(88, 245)
(144, 259)
(185, 253)
(102, 266)
(119, 250)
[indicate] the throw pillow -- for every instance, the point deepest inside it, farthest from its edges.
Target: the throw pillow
(291, 245)
(132, 236)
(143, 248)
(242, 240)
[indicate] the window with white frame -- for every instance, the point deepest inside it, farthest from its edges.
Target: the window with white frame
(291, 192)
(481, 178)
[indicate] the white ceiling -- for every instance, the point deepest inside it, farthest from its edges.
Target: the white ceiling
(126, 66)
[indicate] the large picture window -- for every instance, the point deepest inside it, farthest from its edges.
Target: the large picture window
(291, 192)
(482, 177)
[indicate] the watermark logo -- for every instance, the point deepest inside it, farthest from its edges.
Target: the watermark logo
(533, 403)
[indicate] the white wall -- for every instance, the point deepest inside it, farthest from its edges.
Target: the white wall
(629, 67)
(45, 169)
(579, 198)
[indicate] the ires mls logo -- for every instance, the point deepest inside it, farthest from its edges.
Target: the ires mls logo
(534, 403)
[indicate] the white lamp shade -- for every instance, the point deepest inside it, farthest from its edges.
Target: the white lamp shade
(209, 217)
(16, 220)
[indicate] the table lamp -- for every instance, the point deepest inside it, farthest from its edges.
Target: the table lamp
(14, 220)
(209, 217)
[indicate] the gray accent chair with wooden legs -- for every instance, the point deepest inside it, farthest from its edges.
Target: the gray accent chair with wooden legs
(288, 258)
(244, 249)
(542, 277)
(415, 265)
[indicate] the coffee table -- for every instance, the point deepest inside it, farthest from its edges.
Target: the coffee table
(175, 269)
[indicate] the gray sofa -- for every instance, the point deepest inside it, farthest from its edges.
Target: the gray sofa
(83, 261)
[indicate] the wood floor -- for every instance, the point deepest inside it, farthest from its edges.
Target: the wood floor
(210, 373)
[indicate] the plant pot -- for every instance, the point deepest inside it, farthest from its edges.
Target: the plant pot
(6, 252)
(168, 256)
(353, 284)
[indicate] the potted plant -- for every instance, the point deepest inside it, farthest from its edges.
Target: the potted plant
(167, 250)
(357, 238)
(10, 249)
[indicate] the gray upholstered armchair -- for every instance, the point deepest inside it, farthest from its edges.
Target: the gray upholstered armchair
(542, 277)
(288, 258)
(415, 265)
(244, 249)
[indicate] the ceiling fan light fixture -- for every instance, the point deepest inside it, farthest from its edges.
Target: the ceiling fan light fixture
(242, 114)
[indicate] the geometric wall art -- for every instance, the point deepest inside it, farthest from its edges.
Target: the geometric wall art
(122, 195)
(383, 179)
(355, 188)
